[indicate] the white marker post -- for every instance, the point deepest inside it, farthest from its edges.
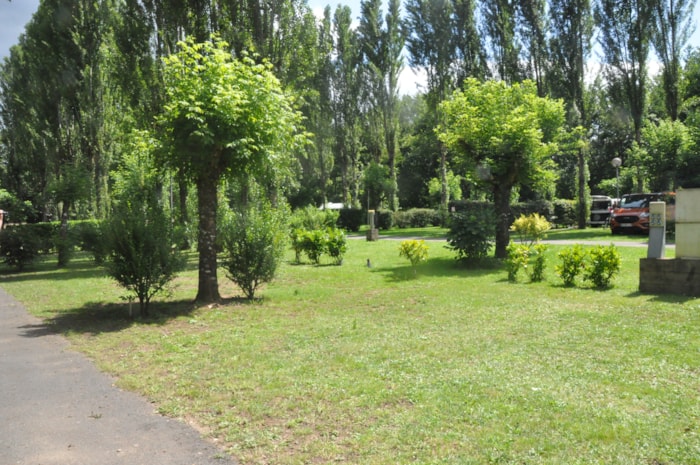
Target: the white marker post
(657, 230)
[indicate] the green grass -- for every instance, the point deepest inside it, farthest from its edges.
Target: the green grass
(567, 234)
(377, 366)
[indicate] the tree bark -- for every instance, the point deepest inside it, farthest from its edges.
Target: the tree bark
(208, 290)
(501, 199)
(582, 207)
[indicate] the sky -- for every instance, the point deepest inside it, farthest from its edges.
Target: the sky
(15, 14)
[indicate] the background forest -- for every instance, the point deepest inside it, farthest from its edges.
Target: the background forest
(85, 76)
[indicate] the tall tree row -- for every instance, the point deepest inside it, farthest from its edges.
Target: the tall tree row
(85, 73)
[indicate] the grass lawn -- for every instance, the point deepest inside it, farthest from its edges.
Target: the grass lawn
(602, 235)
(381, 365)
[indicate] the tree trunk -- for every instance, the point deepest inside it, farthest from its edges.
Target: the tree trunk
(501, 199)
(208, 290)
(444, 190)
(182, 208)
(582, 207)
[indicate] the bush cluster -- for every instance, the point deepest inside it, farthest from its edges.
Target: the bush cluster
(417, 218)
(44, 238)
(19, 246)
(564, 212)
(560, 212)
(599, 265)
(414, 251)
(351, 219)
(254, 242)
(521, 256)
(311, 218)
(140, 250)
(533, 227)
(384, 219)
(472, 231)
(318, 242)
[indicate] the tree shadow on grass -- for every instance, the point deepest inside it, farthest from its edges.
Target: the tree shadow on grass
(100, 317)
(47, 270)
(440, 267)
(81, 267)
(665, 298)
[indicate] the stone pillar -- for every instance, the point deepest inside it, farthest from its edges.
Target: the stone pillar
(373, 232)
(657, 230)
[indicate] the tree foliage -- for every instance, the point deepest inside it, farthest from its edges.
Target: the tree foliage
(222, 118)
(506, 136)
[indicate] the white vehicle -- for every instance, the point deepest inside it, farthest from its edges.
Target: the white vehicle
(601, 207)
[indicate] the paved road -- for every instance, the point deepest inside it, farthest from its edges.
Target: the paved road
(56, 408)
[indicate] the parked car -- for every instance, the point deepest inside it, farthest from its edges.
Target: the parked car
(632, 215)
(601, 207)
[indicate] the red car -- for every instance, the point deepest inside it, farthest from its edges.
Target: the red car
(632, 215)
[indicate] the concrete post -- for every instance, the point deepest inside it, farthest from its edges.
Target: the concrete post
(657, 230)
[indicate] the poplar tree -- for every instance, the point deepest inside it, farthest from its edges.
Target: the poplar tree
(673, 27)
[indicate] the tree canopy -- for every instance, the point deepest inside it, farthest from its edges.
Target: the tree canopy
(506, 136)
(222, 118)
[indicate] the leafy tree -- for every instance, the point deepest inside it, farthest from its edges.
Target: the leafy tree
(381, 48)
(378, 185)
(55, 102)
(674, 26)
(222, 118)
(570, 46)
(666, 145)
(625, 31)
(533, 32)
(499, 22)
(431, 48)
(469, 48)
(505, 134)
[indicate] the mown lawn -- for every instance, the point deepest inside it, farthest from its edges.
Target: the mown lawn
(381, 365)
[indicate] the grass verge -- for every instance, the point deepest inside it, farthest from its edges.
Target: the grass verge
(379, 365)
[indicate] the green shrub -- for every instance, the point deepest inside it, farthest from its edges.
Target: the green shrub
(517, 259)
(472, 232)
(88, 237)
(417, 218)
(17, 211)
(254, 243)
(402, 219)
(541, 207)
(313, 243)
(533, 227)
(311, 218)
(564, 212)
(336, 244)
(19, 246)
(141, 251)
(45, 234)
(572, 263)
(297, 240)
(604, 264)
(384, 219)
(520, 256)
(537, 273)
(351, 219)
(414, 251)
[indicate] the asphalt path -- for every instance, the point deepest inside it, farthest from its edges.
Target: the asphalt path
(56, 408)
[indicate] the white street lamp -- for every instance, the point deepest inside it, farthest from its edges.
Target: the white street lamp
(616, 162)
